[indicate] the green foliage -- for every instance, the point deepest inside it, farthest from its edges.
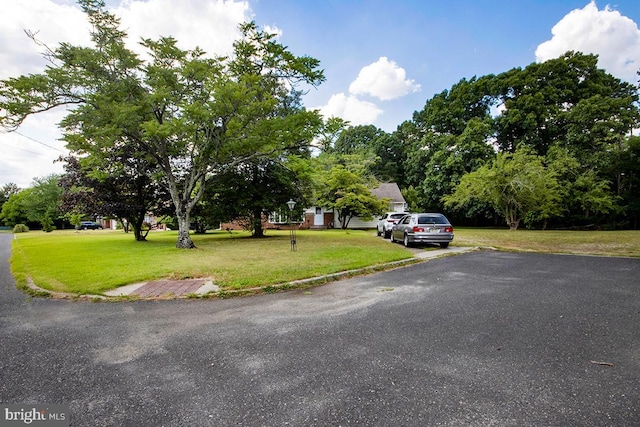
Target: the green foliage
(195, 116)
(345, 187)
(251, 191)
(42, 203)
(451, 110)
(582, 191)
(516, 185)
(357, 140)
(330, 132)
(410, 195)
(386, 152)
(20, 228)
(14, 210)
(47, 224)
(627, 180)
(196, 124)
(75, 219)
(7, 191)
(442, 159)
(120, 184)
(564, 104)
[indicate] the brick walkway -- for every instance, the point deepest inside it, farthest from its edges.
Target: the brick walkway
(169, 288)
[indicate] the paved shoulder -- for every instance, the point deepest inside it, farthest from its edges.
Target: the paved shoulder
(8, 292)
(484, 338)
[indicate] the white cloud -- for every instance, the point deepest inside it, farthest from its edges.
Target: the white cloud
(615, 38)
(352, 109)
(384, 80)
(273, 30)
(51, 22)
(31, 152)
(211, 25)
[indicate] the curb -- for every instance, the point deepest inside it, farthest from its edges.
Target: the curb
(209, 290)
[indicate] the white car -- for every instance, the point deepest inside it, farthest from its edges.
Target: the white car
(387, 221)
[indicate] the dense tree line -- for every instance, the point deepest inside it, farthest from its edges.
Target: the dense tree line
(549, 145)
(37, 206)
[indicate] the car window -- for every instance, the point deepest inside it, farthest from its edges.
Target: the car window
(406, 220)
(397, 216)
(432, 219)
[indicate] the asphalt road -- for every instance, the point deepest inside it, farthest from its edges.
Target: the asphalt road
(483, 339)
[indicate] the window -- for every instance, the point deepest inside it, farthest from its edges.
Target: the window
(432, 219)
(279, 217)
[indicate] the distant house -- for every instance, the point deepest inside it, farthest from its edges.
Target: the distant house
(150, 219)
(392, 192)
(321, 218)
(318, 217)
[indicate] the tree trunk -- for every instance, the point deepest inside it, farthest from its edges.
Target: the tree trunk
(256, 223)
(511, 216)
(258, 231)
(136, 224)
(341, 220)
(344, 221)
(184, 240)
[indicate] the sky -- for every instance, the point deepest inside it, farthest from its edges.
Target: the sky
(382, 59)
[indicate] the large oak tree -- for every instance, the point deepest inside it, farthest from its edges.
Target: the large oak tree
(565, 105)
(197, 116)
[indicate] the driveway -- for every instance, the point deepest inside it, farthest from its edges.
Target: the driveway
(482, 338)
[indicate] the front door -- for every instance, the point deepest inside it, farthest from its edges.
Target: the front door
(318, 218)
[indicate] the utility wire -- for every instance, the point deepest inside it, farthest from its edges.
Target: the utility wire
(39, 142)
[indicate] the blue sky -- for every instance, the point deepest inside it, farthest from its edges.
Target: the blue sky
(382, 59)
(437, 43)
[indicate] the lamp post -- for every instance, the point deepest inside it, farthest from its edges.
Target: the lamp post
(292, 232)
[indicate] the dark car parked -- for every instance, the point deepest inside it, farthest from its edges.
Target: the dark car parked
(423, 228)
(88, 225)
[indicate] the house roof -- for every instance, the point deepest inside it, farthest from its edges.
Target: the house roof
(389, 191)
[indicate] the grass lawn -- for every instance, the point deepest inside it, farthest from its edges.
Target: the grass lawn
(95, 261)
(606, 243)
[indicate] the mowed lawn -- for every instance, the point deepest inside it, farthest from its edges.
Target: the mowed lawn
(91, 262)
(605, 243)
(94, 261)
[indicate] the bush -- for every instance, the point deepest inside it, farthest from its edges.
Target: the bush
(20, 228)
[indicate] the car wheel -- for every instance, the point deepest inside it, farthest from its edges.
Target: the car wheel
(444, 245)
(379, 232)
(391, 237)
(406, 240)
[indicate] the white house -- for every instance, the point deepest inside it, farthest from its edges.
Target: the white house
(319, 217)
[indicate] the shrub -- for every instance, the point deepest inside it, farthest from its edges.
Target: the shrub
(20, 228)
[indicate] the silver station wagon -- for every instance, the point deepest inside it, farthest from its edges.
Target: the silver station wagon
(423, 228)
